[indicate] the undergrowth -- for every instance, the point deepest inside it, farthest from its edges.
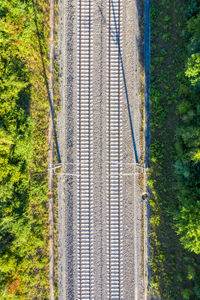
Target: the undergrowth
(24, 116)
(175, 269)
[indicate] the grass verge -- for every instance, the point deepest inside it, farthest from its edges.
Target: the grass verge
(175, 271)
(24, 116)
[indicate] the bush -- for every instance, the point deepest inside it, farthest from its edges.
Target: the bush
(23, 157)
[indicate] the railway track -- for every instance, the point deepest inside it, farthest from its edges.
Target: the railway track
(100, 207)
(85, 280)
(114, 154)
(85, 261)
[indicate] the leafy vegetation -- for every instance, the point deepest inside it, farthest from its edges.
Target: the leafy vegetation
(188, 139)
(24, 113)
(175, 156)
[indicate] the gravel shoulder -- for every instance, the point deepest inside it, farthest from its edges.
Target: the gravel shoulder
(133, 206)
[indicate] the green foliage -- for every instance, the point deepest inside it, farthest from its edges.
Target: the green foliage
(193, 69)
(188, 147)
(175, 149)
(23, 151)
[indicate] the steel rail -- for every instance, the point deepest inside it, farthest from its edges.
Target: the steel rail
(114, 157)
(85, 280)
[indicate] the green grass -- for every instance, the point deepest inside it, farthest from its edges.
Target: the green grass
(24, 113)
(175, 271)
